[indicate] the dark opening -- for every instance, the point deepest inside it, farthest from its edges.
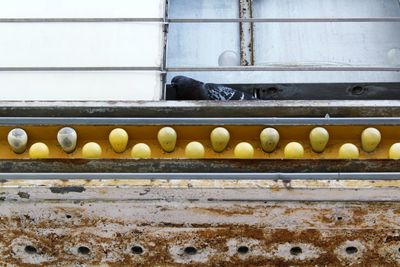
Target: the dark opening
(68, 216)
(30, 250)
(83, 250)
(243, 249)
(357, 90)
(399, 250)
(351, 250)
(190, 250)
(137, 250)
(339, 218)
(296, 251)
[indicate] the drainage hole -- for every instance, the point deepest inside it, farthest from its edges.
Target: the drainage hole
(351, 250)
(296, 251)
(137, 250)
(68, 216)
(340, 218)
(83, 250)
(243, 249)
(30, 250)
(357, 90)
(398, 250)
(190, 250)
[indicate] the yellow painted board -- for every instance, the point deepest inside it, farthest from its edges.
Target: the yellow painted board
(148, 134)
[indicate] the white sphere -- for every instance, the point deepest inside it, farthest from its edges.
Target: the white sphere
(228, 58)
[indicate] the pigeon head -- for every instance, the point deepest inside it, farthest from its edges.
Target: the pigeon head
(189, 89)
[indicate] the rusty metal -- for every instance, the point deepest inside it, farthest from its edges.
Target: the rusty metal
(246, 33)
(197, 166)
(185, 233)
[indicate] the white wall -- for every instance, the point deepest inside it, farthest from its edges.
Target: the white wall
(104, 44)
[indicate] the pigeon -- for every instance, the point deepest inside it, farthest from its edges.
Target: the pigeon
(190, 89)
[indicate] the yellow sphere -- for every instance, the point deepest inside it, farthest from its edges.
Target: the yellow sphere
(167, 138)
(394, 151)
(370, 139)
(118, 139)
(194, 150)
(219, 139)
(39, 151)
(293, 150)
(244, 150)
(319, 138)
(141, 151)
(91, 150)
(269, 138)
(348, 151)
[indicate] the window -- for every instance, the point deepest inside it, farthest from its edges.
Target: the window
(286, 44)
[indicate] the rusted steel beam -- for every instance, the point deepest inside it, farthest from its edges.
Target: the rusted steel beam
(200, 234)
(197, 166)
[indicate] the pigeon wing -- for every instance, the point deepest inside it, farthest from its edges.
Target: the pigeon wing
(221, 92)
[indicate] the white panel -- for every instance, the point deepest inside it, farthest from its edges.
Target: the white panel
(201, 44)
(81, 8)
(85, 86)
(80, 44)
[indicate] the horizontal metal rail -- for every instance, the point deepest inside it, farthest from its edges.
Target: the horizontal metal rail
(20, 121)
(200, 20)
(203, 69)
(215, 176)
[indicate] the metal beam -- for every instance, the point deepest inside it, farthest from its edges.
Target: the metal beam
(246, 33)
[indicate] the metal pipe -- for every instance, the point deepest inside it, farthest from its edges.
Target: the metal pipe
(199, 20)
(202, 69)
(215, 176)
(19, 121)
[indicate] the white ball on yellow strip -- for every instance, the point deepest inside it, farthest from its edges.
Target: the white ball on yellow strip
(17, 139)
(244, 150)
(141, 151)
(167, 139)
(293, 150)
(194, 150)
(219, 139)
(348, 151)
(370, 139)
(67, 139)
(118, 139)
(39, 151)
(394, 151)
(91, 150)
(319, 138)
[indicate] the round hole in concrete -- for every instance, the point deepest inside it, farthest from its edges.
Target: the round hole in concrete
(137, 250)
(190, 250)
(351, 250)
(83, 250)
(296, 251)
(398, 250)
(68, 216)
(30, 249)
(340, 218)
(243, 249)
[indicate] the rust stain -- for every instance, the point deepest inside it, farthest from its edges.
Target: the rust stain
(227, 212)
(59, 233)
